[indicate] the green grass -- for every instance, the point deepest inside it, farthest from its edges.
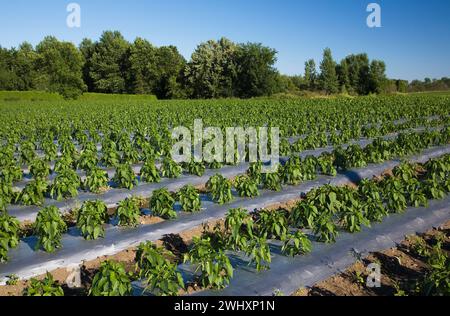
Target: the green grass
(40, 96)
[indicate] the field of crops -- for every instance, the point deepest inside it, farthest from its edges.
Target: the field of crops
(92, 203)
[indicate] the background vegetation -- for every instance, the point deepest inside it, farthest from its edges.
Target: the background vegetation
(217, 69)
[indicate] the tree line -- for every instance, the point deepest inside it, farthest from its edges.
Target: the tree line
(217, 69)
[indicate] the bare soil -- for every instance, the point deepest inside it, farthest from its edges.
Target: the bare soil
(401, 269)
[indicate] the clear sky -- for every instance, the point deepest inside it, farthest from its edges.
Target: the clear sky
(414, 39)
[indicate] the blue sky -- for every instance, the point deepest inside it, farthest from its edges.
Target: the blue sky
(414, 39)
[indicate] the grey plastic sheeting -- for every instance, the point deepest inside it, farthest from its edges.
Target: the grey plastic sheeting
(25, 262)
(114, 196)
(110, 171)
(289, 274)
(137, 167)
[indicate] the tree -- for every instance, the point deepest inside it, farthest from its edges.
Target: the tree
(59, 65)
(8, 78)
(256, 75)
(143, 73)
(110, 63)
(358, 73)
(328, 78)
(87, 49)
(311, 74)
(171, 65)
(342, 72)
(377, 76)
(17, 68)
(402, 86)
(212, 70)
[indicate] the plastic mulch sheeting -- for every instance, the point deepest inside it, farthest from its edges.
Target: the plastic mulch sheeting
(114, 196)
(25, 262)
(289, 274)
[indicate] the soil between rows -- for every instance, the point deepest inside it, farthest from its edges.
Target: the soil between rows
(400, 270)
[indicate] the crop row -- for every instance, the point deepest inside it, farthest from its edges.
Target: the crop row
(295, 117)
(67, 183)
(320, 215)
(91, 217)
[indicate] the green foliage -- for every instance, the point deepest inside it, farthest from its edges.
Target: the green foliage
(272, 224)
(125, 177)
(350, 214)
(256, 75)
(170, 169)
(9, 234)
(110, 157)
(111, 280)
(216, 269)
(326, 165)
(291, 172)
(88, 160)
(64, 163)
(160, 274)
(393, 193)
(27, 152)
(246, 186)
(325, 228)
(161, 204)
(328, 80)
(189, 199)
(6, 192)
(96, 180)
(220, 189)
(309, 168)
(239, 224)
(128, 212)
(303, 214)
(272, 181)
(49, 227)
(372, 202)
(39, 169)
(296, 244)
(90, 220)
(196, 168)
(33, 193)
(149, 173)
(254, 171)
(46, 287)
(60, 65)
(437, 281)
(259, 252)
(107, 63)
(65, 185)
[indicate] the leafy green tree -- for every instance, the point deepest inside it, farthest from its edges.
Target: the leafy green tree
(328, 80)
(402, 85)
(59, 65)
(310, 74)
(17, 68)
(212, 69)
(377, 76)
(7, 75)
(171, 65)
(87, 49)
(256, 75)
(143, 74)
(342, 71)
(358, 73)
(110, 63)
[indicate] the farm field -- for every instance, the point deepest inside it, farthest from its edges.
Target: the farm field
(93, 203)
